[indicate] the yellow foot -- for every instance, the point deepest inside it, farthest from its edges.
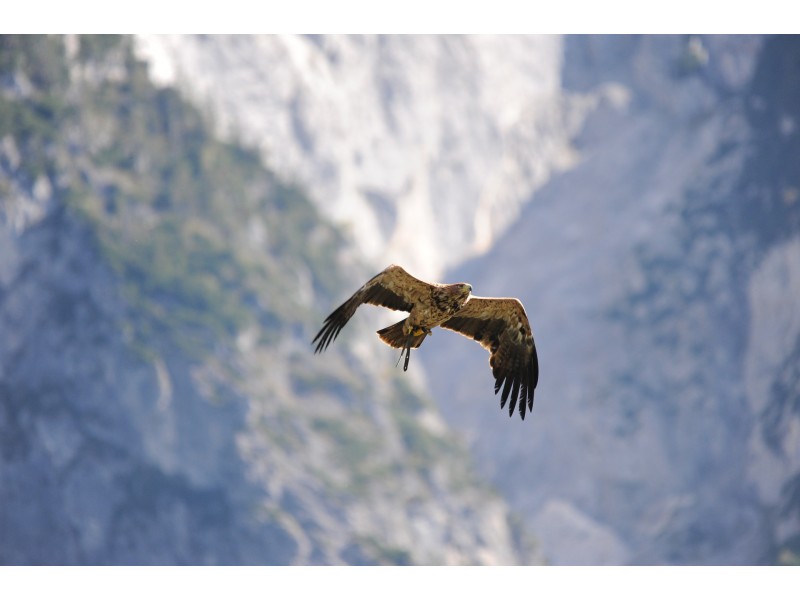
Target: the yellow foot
(419, 331)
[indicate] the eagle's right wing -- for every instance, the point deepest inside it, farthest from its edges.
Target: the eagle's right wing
(501, 326)
(393, 288)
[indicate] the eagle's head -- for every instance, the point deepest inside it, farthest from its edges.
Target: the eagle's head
(450, 298)
(461, 291)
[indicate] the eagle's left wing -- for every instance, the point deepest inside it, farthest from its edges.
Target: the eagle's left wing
(393, 288)
(501, 326)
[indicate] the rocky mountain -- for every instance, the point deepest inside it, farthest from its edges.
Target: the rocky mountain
(423, 147)
(159, 286)
(639, 194)
(159, 400)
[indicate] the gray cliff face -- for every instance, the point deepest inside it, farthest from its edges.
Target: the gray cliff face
(107, 458)
(660, 275)
(159, 399)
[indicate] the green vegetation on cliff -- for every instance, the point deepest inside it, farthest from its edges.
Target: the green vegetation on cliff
(204, 237)
(223, 272)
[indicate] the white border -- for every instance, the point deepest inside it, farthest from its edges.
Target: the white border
(397, 16)
(387, 583)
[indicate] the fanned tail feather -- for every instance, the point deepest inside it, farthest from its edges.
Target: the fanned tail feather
(397, 338)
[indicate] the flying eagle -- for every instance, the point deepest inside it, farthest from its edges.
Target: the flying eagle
(498, 324)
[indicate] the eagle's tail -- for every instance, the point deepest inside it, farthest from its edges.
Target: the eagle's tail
(394, 336)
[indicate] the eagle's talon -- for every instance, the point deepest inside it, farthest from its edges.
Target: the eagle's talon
(406, 349)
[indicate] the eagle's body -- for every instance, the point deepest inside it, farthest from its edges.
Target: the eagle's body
(499, 324)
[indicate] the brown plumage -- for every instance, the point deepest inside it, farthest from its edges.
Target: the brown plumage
(498, 324)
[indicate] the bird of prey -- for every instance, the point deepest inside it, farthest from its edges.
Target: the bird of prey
(498, 324)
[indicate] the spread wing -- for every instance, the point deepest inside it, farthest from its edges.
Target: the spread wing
(501, 326)
(392, 288)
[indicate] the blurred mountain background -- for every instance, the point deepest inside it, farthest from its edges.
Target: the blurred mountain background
(178, 214)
